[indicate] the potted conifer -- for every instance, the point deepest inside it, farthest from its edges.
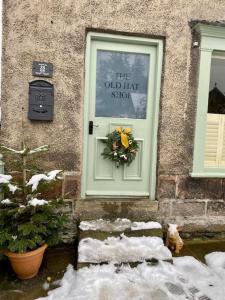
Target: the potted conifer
(28, 221)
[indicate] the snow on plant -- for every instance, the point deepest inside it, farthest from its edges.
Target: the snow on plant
(12, 188)
(35, 202)
(25, 150)
(25, 212)
(5, 178)
(6, 201)
(35, 179)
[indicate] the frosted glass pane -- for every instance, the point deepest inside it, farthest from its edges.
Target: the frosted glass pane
(121, 84)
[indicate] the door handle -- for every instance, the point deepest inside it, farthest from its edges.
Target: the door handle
(91, 126)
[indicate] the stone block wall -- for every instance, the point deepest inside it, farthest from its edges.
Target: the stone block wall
(71, 185)
(197, 204)
(186, 187)
(185, 196)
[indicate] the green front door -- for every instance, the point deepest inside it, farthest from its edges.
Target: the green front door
(120, 92)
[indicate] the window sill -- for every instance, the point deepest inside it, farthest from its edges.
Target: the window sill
(209, 174)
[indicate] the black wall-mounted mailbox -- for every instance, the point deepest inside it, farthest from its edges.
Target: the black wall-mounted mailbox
(41, 100)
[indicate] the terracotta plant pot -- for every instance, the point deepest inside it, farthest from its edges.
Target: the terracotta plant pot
(26, 265)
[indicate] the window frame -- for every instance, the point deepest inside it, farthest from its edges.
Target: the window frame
(212, 39)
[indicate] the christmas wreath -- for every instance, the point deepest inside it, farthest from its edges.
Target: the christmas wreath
(121, 147)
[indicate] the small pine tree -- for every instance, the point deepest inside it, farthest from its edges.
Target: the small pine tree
(26, 220)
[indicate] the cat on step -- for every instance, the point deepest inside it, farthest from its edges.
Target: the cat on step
(173, 239)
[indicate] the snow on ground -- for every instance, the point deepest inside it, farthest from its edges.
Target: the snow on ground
(186, 279)
(105, 225)
(117, 225)
(216, 260)
(122, 249)
(145, 225)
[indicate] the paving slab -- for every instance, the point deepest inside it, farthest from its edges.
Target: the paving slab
(53, 266)
(199, 248)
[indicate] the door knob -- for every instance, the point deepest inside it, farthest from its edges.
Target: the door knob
(90, 127)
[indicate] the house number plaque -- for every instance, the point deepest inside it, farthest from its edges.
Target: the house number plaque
(42, 69)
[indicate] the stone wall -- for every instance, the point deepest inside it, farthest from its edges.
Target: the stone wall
(188, 197)
(55, 31)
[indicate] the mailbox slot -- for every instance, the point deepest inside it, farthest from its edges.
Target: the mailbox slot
(41, 100)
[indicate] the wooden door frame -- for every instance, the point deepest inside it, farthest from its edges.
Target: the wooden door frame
(158, 43)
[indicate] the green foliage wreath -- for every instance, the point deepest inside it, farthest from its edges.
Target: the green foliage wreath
(121, 147)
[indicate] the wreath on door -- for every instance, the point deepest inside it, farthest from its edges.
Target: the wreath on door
(121, 147)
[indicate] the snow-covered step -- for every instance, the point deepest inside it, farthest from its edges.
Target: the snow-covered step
(123, 249)
(101, 228)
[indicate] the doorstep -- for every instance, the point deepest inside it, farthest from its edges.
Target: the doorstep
(113, 208)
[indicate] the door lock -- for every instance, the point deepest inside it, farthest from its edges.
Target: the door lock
(91, 126)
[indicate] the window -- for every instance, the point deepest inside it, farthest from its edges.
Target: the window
(121, 94)
(209, 144)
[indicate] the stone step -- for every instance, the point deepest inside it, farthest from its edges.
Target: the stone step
(108, 208)
(101, 229)
(151, 262)
(123, 249)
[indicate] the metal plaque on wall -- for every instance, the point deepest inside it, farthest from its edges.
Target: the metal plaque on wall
(42, 69)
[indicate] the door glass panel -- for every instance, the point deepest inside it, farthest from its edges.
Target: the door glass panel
(121, 84)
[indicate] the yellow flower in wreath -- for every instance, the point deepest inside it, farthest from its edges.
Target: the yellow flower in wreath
(124, 140)
(118, 129)
(127, 130)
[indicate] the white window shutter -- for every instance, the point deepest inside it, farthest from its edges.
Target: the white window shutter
(215, 141)
(222, 133)
(212, 141)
